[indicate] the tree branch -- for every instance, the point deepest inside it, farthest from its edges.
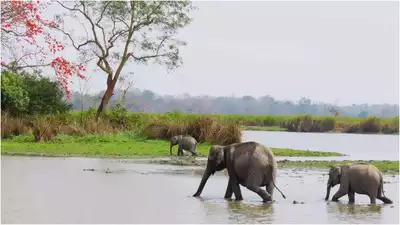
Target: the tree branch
(83, 12)
(13, 32)
(72, 40)
(19, 67)
(125, 55)
(157, 52)
(98, 23)
(102, 58)
(147, 21)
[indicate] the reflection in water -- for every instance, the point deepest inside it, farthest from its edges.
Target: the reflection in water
(353, 209)
(349, 212)
(245, 212)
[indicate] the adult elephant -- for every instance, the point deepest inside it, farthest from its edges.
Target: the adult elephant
(249, 164)
(187, 143)
(363, 179)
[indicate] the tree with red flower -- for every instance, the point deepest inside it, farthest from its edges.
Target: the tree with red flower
(22, 27)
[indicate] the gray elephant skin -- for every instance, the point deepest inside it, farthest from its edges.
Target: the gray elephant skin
(249, 164)
(363, 179)
(186, 142)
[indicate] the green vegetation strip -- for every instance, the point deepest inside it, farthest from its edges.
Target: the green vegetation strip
(293, 123)
(264, 128)
(383, 165)
(271, 119)
(114, 145)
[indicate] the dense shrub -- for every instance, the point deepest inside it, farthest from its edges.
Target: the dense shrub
(26, 94)
(370, 125)
(373, 125)
(203, 129)
(14, 96)
(12, 126)
(307, 123)
(46, 128)
(215, 129)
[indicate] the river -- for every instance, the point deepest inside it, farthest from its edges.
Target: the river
(58, 190)
(355, 146)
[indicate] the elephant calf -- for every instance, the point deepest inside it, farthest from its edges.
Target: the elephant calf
(249, 164)
(187, 143)
(363, 179)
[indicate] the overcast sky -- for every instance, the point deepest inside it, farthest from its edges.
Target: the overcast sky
(335, 52)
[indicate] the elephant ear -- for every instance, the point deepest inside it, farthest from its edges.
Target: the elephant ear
(332, 168)
(339, 171)
(220, 155)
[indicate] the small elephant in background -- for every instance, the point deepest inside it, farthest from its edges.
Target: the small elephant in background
(186, 142)
(363, 179)
(249, 164)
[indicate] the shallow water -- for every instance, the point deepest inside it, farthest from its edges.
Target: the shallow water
(356, 146)
(54, 190)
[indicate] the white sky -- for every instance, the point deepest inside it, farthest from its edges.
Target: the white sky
(326, 51)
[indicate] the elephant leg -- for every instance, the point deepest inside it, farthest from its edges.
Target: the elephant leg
(340, 193)
(192, 150)
(234, 181)
(229, 191)
(253, 184)
(180, 150)
(270, 188)
(372, 198)
(236, 190)
(261, 192)
(343, 188)
(351, 196)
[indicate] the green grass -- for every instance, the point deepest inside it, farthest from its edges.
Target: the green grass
(269, 120)
(383, 165)
(264, 128)
(114, 145)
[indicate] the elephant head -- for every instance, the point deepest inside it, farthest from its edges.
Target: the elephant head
(174, 141)
(335, 173)
(215, 162)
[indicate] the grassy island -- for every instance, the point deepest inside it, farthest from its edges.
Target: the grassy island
(123, 144)
(383, 165)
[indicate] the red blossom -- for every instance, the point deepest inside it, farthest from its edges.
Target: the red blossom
(26, 14)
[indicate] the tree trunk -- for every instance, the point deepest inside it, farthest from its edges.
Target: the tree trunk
(106, 98)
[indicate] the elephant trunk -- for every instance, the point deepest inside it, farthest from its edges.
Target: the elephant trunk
(328, 190)
(203, 182)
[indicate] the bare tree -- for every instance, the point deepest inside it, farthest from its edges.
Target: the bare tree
(334, 109)
(125, 85)
(83, 91)
(145, 29)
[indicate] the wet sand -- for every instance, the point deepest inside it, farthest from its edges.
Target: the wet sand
(56, 190)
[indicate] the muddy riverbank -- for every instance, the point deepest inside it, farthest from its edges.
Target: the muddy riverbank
(385, 166)
(58, 190)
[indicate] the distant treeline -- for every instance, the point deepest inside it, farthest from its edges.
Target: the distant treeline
(149, 101)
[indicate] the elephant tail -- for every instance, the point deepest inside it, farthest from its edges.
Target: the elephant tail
(272, 168)
(381, 186)
(279, 190)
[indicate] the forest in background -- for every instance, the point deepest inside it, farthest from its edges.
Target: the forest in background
(148, 101)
